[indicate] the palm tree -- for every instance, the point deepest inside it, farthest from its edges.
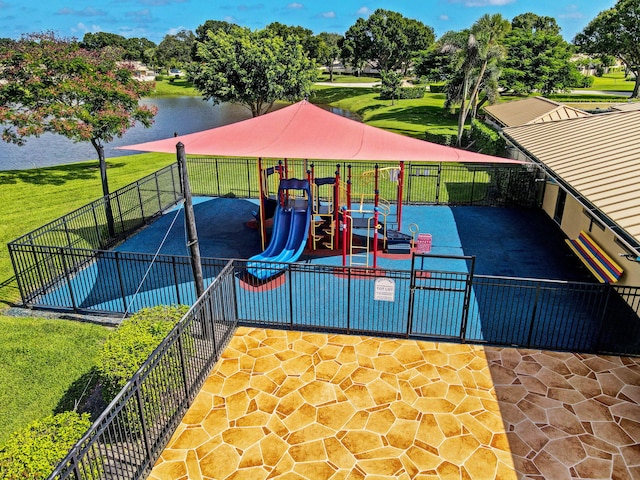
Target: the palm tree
(474, 58)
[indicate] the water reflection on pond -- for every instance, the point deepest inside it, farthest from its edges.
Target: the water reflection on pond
(176, 115)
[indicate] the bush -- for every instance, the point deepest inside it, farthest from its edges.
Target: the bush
(159, 78)
(129, 346)
(586, 81)
(412, 92)
(436, 88)
(440, 138)
(485, 140)
(403, 93)
(37, 449)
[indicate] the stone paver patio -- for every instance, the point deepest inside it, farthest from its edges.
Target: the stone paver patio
(295, 405)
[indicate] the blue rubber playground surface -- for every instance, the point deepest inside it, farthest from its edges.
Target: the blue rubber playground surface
(509, 242)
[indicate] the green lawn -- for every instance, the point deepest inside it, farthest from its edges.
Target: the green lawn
(408, 117)
(44, 194)
(612, 82)
(176, 88)
(40, 359)
(339, 78)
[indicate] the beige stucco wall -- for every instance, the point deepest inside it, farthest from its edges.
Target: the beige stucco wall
(574, 220)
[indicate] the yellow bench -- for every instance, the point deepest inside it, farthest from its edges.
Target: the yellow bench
(596, 260)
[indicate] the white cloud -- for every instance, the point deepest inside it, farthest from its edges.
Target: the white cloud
(175, 30)
(484, 3)
(295, 6)
(81, 27)
(571, 13)
(140, 15)
(364, 11)
(444, 17)
(87, 12)
(229, 18)
(330, 14)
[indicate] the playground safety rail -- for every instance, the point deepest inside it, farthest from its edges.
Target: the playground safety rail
(129, 436)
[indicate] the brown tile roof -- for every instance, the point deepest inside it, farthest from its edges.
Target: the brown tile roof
(597, 155)
(531, 110)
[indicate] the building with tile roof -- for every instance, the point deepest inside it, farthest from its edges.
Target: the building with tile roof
(530, 110)
(592, 167)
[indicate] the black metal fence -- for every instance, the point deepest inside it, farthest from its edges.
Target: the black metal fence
(63, 247)
(69, 246)
(132, 432)
(130, 435)
(425, 183)
(446, 305)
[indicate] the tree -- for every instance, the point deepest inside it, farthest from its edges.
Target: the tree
(616, 32)
(474, 52)
(202, 32)
(386, 40)
(328, 50)
(538, 58)
(391, 85)
(99, 40)
(436, 63)
(309, 42)
(136, 47)
(133, 48)
(175, 50)
(50, 84)
(251, 68)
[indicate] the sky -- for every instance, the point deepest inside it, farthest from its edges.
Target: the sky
(153, 19)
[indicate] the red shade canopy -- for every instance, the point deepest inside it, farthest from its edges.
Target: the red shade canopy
(303, 130)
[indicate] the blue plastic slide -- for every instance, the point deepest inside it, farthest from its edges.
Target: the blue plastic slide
(288, 237)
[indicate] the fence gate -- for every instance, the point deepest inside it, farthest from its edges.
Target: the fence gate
(440, 294)
(423, 183)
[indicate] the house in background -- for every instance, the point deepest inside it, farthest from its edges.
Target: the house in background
(592, 167)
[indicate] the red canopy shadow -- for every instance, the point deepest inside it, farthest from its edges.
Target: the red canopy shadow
(303, 130)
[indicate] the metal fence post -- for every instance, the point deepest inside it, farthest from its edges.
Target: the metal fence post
(534, 311)
(68, 277)
(120, 280)
(183, 364)
(467, 300)
(143, 420)
(141, 202)
(290, 295)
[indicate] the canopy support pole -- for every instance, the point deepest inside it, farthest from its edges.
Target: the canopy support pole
(400, 194)
(192, 234)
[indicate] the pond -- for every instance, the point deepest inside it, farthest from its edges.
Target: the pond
(179, 115)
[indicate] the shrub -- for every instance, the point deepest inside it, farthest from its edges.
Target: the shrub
(403, 93)
(127, 347)
(159, 78)
(412, 92)
(441, 138)
(36, 450)
(586, 81)
(437, 88)
(485, 140)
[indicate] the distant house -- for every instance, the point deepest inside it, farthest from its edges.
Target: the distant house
(592, 167)
(143, 72)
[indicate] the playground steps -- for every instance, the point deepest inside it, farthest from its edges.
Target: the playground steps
(324, 229)
(398, 242)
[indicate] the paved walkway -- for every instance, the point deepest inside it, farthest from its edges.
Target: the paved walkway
(313, 406)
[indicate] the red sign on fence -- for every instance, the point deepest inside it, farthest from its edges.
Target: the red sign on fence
(424, 243)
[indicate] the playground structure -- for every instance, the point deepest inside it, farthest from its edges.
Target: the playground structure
(351, 217)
